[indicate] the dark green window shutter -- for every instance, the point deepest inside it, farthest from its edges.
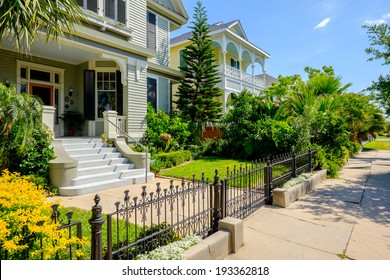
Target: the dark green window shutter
(89, 95)
(119, 93)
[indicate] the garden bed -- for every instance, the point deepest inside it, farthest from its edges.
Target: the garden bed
(283, 197)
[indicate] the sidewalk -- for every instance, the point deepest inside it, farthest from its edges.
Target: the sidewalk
(109, 197)
(347, 218)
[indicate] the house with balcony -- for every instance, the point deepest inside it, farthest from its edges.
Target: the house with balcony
(239, 61)
(115, 62)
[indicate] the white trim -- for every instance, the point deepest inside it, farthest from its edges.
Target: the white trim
(122, 61)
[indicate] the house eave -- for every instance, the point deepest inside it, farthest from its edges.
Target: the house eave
(217, 33)
(165, 70)
(100, 37)
(177, 20)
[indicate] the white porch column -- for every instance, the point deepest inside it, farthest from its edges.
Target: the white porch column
(109, 121)
(225, 96)
(48, 116)
(224, 60)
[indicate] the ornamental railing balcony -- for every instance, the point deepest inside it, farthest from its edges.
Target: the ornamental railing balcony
(243, 77)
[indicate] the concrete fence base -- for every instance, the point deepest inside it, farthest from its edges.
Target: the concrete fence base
(284, 197)
(228, 239)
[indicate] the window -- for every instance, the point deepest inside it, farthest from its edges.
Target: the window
(152, 92)
(40, 80)
(106, 88)
(40, 75)
(151, 36)
(91, 5)
(235, 63)
(116, 10)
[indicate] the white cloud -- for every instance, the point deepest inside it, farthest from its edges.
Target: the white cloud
(374, 21)
(323, 23)
(383, 19)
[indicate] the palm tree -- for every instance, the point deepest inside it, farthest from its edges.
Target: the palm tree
(25, 19)
(20, 114)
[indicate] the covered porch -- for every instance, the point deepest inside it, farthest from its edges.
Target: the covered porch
(71, 78)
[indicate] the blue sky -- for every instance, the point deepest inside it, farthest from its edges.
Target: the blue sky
(306, 33)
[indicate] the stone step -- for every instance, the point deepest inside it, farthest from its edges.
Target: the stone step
(99, 167)
(108, 161)
(90, 151)
(103, 185)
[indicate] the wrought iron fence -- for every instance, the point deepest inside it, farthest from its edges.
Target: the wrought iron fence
(244, 190)
(248, 188)
(140, 224)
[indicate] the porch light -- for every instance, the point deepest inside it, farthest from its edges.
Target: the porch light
(70, 91)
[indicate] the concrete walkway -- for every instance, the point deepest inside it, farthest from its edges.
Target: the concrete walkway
(345, 218)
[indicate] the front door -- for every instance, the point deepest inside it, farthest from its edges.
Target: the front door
(44, 92)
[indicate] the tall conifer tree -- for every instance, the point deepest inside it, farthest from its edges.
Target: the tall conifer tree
(198, 92)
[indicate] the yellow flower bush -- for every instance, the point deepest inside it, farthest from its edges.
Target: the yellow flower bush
(26, 227)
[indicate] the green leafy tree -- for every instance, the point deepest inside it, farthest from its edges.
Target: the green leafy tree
(24, 19)
(198, 92)
(20, 114)
(379, 35)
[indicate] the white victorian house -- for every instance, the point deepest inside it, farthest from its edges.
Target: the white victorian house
(241, 64)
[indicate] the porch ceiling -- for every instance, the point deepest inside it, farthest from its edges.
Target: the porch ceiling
(65, 52)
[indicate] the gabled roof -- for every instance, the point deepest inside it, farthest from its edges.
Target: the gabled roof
(173, 9)
(235, 26)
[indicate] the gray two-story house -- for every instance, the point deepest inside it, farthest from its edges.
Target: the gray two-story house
(115, 62)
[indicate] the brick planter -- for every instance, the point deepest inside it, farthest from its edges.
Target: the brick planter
(284, 197)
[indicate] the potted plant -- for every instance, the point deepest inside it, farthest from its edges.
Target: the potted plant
(104, 138)
(73, 121)
(110, 142)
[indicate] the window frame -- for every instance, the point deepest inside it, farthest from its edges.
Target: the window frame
(151, 35)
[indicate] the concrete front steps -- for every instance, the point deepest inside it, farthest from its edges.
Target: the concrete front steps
(99, 167)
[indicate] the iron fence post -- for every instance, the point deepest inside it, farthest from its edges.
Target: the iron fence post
(309, 156)
(223, 198)
(267, 182)
(96, 223)
(294, 167)
(217, 214)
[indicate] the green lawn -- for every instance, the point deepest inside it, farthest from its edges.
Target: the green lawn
(378, 145)
(84, 215)
(206, 165)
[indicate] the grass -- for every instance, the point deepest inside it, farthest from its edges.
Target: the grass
(206, 165)
(378, 145)
(84, 215)
(209, 165)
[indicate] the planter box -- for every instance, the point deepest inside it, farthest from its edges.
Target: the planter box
(284, 197)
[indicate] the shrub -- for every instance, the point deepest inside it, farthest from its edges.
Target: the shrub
(26, 228)
(35, 160)
(160, 125)
(174, 158)
(297, 180)
(173, 251)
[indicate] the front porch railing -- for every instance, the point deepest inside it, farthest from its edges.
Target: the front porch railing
(115, 126)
